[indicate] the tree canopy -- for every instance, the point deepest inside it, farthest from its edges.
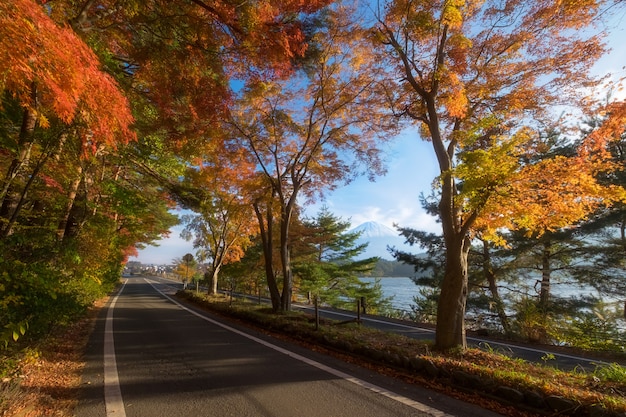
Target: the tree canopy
(104, 107)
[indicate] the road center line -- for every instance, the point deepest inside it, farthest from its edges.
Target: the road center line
(113, 402)
(375, 388)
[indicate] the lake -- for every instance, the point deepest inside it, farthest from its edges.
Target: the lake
(402, 289)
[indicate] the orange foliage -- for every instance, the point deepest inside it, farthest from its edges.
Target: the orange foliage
(269, 27)
(182, 56)
(611, 129)
(37, 53)
(552, 194)
(225, 220)
(477, 76)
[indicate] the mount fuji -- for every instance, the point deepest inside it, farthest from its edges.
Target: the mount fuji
(378, 236)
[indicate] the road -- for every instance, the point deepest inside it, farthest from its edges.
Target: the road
(151, 356)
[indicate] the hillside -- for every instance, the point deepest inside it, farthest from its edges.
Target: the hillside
(385, 268)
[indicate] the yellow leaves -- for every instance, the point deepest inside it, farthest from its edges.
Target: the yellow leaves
(486, 170)
(28, 24)
(452, 14)
(549, 195)
(43, 121)
(501, 187)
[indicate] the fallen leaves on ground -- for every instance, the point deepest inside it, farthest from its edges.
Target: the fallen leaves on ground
(47, 380)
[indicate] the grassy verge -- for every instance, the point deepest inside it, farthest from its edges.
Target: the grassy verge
(491, 379)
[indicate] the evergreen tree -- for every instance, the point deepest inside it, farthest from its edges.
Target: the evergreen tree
(554, 275)
(605, 234)
(326, 268)
(428, 269)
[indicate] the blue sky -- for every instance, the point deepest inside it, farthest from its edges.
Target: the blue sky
(411, 169)
(393, 198)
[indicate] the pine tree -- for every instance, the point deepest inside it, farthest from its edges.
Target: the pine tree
(326, 267)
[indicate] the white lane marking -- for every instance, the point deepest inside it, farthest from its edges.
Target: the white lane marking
(375, 388)
(113, 402)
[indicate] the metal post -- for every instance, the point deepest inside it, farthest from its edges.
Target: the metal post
(317, 313)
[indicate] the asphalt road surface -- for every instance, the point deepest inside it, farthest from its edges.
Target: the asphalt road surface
(150, 356)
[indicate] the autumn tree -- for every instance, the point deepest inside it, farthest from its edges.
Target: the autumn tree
(185, 267)
(265, 208)
(224, 222)
(478, 79)
(314, 130)
(248, 272)
(71, 212)
(81, 104)
(587, 260)
(176, 60)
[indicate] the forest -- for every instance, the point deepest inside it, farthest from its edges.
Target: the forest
(115, 112)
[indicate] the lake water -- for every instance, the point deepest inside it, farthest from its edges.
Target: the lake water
(402, 290)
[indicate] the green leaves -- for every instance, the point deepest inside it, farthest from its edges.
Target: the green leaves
(12, 332)
(324, 263)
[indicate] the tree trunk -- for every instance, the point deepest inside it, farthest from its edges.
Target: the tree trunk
(214, 277)
(71, 198)
(9, 195)
(78, 217)
(544, 292)
(8, 228)
(285, 244)
(285, 259)
(450, 329)
(265, 230)
(490, 276)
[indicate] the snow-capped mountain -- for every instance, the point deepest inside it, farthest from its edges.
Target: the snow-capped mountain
(378, 236)
(374, 229)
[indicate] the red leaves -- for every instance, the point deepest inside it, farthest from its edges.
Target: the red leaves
(37, 55)
(275, 36)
